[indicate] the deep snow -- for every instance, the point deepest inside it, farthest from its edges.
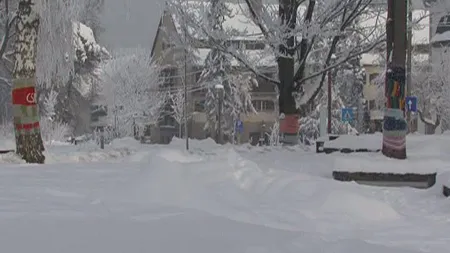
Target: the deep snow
(152, 198)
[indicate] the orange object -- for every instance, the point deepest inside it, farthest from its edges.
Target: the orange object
(289, 124)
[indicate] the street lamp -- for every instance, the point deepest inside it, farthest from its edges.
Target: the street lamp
(220, 90)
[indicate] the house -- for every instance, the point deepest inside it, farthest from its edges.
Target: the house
(263, 96)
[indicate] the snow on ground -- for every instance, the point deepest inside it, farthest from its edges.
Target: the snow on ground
(213, 198)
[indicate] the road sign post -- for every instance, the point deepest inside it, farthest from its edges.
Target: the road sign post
(239, 129)
(347, 115)
(411, 103)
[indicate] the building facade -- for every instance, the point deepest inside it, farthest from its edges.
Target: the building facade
(170, 57)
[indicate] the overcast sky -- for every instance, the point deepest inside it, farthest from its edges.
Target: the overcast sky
(130, 23)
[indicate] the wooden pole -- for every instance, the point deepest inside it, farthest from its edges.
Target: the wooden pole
(409, 62)
(329, 103)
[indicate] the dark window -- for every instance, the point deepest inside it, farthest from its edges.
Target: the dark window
(168, 77)
(254, 45)
(167, 45)
(199, 106)
(371, 104)
(444, 25)
(372, 77)
(233, 43)
(257, 105)
(268, 106)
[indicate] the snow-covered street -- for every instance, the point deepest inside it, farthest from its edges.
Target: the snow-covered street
(151, 198)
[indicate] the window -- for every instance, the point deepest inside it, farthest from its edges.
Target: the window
(263, 105)
(199, 106)
(168, 77)
(267, 106)
(257, 105)
(167, 45)
(372, 77)
(233, 43)
(444, 25)
(254, 45)
(372, 104)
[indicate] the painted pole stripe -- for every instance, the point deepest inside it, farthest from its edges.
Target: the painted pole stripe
(24, 82)
(29, 126)
(24, 96)
(289, 125)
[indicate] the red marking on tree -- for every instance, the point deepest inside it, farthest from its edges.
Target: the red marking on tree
(28, 126)
(24, 96)
(289, 124)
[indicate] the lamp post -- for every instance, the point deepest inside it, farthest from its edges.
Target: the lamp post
(220, 90)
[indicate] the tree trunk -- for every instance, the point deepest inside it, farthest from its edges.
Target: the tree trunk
(394, 125)
(29, 143)
(287, 105)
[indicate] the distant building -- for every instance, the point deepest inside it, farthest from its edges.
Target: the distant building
(264, 96)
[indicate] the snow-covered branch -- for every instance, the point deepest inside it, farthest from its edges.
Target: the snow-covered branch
(130, 83)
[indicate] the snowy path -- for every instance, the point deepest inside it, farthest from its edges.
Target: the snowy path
(213, 199)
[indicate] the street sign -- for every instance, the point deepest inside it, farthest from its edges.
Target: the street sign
(347, 114)
(411, 104)
(239, 127)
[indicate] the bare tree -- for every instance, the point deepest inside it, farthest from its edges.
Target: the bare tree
(294, 30)
(130, 84)
(177, 105)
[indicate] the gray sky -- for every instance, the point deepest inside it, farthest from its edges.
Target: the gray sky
(130, 23)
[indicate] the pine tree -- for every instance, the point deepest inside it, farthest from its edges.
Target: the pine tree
(217, 70)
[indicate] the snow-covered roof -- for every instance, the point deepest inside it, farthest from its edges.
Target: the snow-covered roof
(441, 37)
(378, 59)
(240, 21)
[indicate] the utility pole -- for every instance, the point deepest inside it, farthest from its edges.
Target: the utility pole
(329, 103)
(394, 125)
(185, 112)
(409, 63)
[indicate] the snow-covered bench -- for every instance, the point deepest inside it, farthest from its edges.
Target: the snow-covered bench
(348, 143)
(378, 170)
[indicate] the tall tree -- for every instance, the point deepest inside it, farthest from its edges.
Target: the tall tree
(394, 123)
(26, 114)
(293, 31)
(217, 70)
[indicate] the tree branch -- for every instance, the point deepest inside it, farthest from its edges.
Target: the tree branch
(332, 66)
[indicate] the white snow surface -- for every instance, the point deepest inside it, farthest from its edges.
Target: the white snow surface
(155, 198)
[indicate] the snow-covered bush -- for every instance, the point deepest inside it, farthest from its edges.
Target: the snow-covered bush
(52, 129)
(130, 85)
(274, 136)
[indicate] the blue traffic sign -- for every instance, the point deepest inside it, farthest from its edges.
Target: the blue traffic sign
(239, 127)
(411, 104)
(347, 114)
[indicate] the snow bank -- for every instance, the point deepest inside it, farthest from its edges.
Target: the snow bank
(355, 206)
(212, 198)
(62, 152)
(7, 144)
(231, 186)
